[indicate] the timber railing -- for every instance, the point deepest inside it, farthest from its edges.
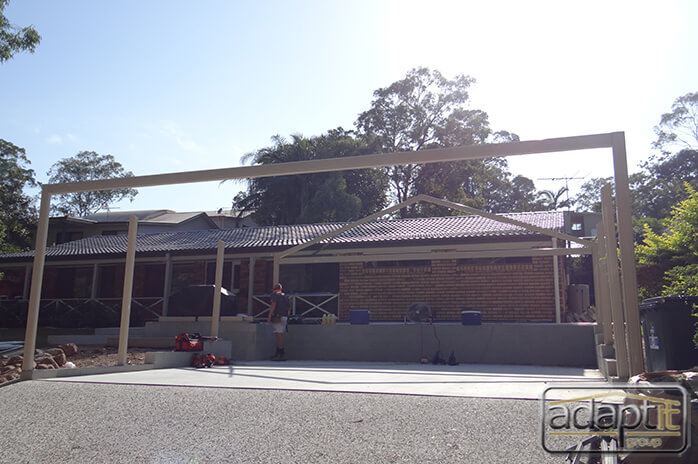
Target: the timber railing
(305, 305)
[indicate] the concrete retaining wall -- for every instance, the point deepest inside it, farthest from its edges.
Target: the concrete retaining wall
(544, 344)
(492, 343)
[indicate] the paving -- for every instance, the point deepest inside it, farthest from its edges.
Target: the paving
(298, 412)
(463, 380)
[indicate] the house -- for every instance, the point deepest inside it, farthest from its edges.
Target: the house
(451, 263)
(69, 228)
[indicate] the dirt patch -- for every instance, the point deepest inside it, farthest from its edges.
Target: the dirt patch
(98, 355)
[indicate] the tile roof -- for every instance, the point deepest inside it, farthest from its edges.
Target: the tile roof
(376, 233)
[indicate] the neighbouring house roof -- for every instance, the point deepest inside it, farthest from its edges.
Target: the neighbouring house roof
(123, 216)
(156, 216)
(377, 233)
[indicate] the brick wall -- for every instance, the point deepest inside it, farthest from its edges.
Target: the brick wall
(517, 292)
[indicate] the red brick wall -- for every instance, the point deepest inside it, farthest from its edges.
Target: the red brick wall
(519, 292)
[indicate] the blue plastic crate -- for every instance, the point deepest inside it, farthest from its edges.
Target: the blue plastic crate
(359, 316)
(471, 317)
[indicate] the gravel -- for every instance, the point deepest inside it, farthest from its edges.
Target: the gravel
(57, 422)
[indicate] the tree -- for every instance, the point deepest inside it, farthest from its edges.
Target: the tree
(309, 198)
(14, 39)
(660, 185)
(679, 128)
(86, 166)
(668, 262)
(552, 200)
(17, 211)
(426, 110)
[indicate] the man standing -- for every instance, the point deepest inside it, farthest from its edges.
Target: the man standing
(278, 316)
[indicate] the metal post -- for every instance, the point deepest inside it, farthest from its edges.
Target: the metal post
(556, 280)
(627, 255)
(37, 280)
(250, 285)
(167, 286)
(216, 314)
(128, 289)
(622, 364)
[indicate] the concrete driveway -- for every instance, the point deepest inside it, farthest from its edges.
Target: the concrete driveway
(464, 380)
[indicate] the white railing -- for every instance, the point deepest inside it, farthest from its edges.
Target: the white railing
(303, 304)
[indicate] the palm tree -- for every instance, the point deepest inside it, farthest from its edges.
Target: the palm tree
(553, 200)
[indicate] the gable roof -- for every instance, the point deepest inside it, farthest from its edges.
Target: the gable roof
(413, 231)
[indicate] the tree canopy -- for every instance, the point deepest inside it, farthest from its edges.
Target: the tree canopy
(17, 211)
(322, 197)
(678, 129)
(668, 262)
(14, 39)
(85, 166)
(426, 110)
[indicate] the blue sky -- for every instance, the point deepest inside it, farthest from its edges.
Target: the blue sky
(168, 86)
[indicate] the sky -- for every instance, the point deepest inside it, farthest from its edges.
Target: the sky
(170, 86)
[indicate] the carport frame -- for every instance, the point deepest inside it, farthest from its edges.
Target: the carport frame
(614, 140)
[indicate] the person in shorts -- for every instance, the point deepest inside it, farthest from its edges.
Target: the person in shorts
(278, 316)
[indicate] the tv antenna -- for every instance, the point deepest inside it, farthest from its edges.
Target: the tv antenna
(566, 179)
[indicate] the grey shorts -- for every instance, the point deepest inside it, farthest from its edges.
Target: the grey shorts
(279, 326)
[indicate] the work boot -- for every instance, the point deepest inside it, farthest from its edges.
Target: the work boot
(279, 356)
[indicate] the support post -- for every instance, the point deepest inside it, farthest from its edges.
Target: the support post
(35, 292)
(128, 290)
(27, 281)
(556, 281)
(216, 313)
(250, 285)
(167, 286)
(604, 287)
(603, 318)
(627, 255)
(275, 271)
(622, 363)
(95, 281)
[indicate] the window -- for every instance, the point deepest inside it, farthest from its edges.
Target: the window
(310, 277)
(227, 268)
(153, 280)
(74, 282)
(183, 275)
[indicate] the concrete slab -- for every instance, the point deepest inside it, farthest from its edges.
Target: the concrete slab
(464, 380)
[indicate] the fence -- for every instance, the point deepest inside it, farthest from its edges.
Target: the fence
(305, 305)
(80, 312)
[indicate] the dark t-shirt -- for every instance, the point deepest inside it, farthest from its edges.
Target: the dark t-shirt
(282, 304)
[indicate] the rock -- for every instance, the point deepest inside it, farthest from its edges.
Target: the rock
(45, 359)
(5, 369)
(3, 359)
(10, 375)
(69, 349)
(15, 360)
(58, 355)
